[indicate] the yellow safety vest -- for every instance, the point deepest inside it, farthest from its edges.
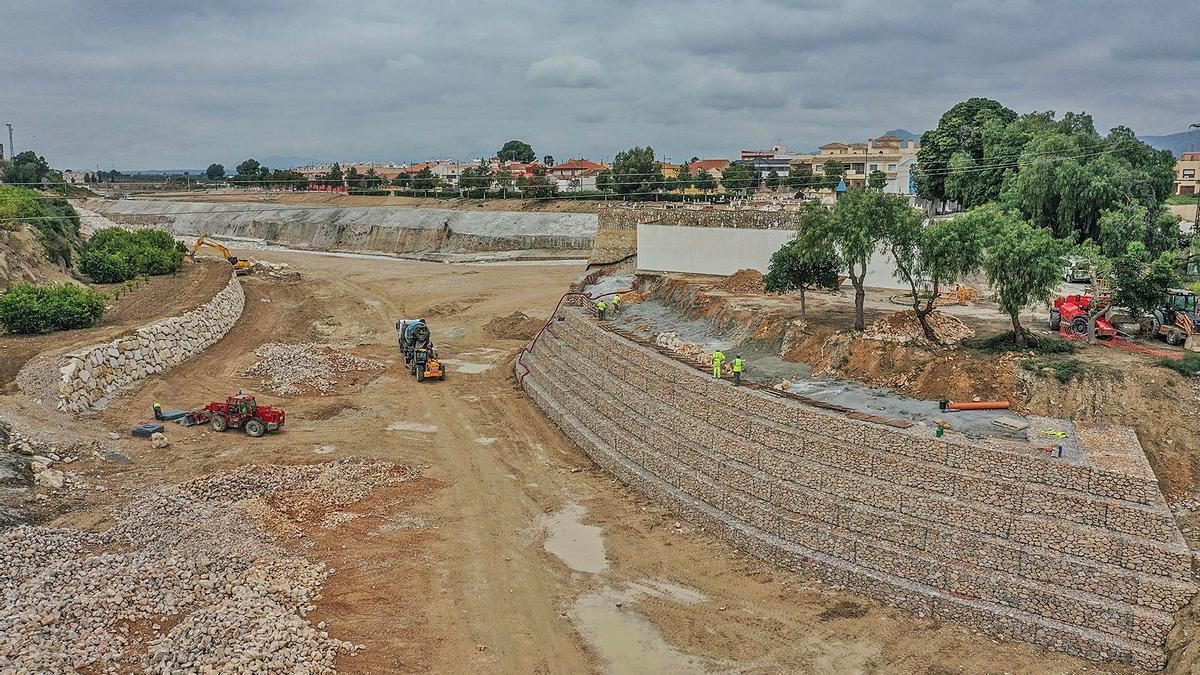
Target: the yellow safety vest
(718, 358)
(616, 300)
(600, 305)
(737, 365)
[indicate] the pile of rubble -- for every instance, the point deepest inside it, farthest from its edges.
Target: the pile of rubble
(515, 326)
(743, 282)
(903, 327)
(192, 578)
(274, 270)
(297, 368)
(26, 461)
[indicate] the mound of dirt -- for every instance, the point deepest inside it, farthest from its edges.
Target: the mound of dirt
(743, 282)
(515, 326)
(903, 327)
(23, 258)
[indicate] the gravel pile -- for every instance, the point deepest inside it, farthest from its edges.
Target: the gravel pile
(191, 578)
(297, 368)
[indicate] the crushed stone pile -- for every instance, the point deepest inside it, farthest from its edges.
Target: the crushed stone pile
(515, 326)
(903, 327)
(297, 368)
(743, 282)
(192, 578)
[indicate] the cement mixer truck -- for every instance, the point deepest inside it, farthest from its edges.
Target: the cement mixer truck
(417, 346)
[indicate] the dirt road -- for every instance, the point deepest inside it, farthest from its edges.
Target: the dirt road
(513, 553)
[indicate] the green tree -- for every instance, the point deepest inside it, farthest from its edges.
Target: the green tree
(504, 179)
(683, 178)
(961, 128)
(877, 180)
(475, 178)
(857, 226)
(215, 172)
(540, 187)
(737, 178)
(772, 181)
(403, 179)
(425, 179)
(705, 181)
(797, 264)
(604, 180)
(940, 254)
(800, 178)
(1023, 263)
(635, 171)
(335, 177)
(26, 168)
(516, 151)
(1141, 280)
(548, 160)
(834, 171)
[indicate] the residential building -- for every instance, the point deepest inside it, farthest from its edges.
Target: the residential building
(573, 169)
(776, 151)
(1187, 174)
(886, 154)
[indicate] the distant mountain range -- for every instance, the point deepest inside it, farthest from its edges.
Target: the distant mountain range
(1184, 141)
(902, 134)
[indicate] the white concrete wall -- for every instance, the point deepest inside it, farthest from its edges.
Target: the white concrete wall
(725, 250)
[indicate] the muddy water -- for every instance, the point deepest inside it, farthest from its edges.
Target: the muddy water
(627, 642)
(579, 546)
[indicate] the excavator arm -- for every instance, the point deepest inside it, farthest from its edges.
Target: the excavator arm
(240, 266)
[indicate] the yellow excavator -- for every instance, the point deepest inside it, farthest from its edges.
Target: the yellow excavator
(240, 267)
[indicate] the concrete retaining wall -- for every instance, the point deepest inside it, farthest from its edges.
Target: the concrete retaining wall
(94, 374)
(1074, 556)
(382, 229)
(708, 242)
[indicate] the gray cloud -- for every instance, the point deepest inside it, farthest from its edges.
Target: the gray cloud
(565, 71)
(150, 84)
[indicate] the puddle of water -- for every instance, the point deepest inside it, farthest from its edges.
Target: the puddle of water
(467, 367)
(579, 546)
(413, 426)
(626, 641)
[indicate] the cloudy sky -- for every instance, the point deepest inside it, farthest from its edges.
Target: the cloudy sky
(180, 84)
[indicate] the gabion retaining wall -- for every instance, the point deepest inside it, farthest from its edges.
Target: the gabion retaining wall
(95, 373)
(1079, 558)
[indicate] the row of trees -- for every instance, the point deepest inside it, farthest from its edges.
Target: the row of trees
(114, 255)
(1059, 174)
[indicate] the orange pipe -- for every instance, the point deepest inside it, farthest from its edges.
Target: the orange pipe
(974, 405)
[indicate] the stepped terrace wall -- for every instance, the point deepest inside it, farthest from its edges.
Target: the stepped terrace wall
(381, 229)
(96, 373)
(1080, 554)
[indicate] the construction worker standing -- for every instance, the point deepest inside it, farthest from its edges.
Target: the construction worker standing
(738, 365)
(718, 360)
(600, 307)
(616, 304)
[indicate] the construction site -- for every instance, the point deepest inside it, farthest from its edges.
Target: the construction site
(363, 435)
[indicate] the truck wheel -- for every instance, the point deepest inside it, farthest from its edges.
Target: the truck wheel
(1079, 326)
(421, 375)
(1175, 337)
(254, 428)
(219, 423)
(1055, 320)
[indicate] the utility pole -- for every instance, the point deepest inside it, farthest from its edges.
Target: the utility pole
(11, 151)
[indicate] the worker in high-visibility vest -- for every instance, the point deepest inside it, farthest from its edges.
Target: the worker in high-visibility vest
(616, 304)
(718, 359)
(600, 307)
(738, 366)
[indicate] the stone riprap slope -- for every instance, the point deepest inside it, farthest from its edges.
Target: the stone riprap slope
(1079, 555)
(94, 374)
(380, 229)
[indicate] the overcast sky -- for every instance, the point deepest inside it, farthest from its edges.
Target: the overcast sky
(166, 84)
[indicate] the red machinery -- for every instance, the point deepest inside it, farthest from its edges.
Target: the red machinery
(1073, 309)
(240, 411)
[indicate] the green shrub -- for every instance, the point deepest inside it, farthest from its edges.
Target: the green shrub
(1188, 364)
(115, 255)
(1039, 344)
(30, 308)
(55, 221)
(1067, 368)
